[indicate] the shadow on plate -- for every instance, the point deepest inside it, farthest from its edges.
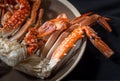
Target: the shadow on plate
(4, 69)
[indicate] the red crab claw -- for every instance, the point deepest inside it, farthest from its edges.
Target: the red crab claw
(97, 42)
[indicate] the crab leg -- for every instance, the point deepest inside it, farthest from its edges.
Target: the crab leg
(60, 39)
(40, 16)
(65, 46)
(26, 26)
(80, 18)
(16, 20)
(55, 24)
(90, 20)
(97, 42)
(52, 39)
(102, 21)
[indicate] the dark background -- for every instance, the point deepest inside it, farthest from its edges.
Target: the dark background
(93, 65)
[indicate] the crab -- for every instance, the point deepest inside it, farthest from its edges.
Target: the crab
(20, 41)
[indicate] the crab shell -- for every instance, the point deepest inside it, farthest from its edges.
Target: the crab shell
(12, 52)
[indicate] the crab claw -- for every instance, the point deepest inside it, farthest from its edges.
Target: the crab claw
(97, 42)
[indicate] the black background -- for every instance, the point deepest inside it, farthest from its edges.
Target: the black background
(93, 65)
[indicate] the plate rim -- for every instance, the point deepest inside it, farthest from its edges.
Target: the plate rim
(84, 41)
(71, 7)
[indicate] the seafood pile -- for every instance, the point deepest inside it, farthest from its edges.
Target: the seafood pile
(36, 47)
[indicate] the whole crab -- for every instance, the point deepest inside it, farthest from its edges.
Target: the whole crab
(67, 32)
